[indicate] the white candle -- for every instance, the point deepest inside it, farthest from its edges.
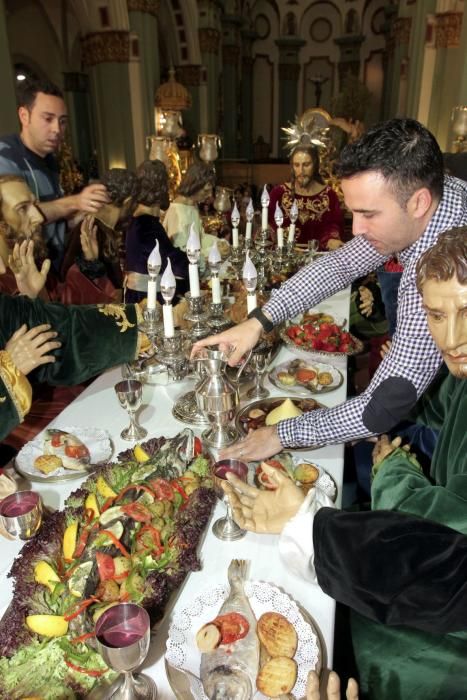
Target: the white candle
(291, 233)
(248, 231)
(152, 289)
(264, 211)
(280, 237)
(251, 302)
(250, 212)
(168, 317)
(216, 289)
(235, 237)
(194, 280)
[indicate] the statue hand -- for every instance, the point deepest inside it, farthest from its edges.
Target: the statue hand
(29, 279)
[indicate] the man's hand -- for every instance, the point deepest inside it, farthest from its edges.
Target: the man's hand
(366, 301)
(333, 690)
(258, 444)
(29, 279)
(264, 511)
(28, 349)
(235, 342)
(384, 447)
(92, 198)
(88, 238)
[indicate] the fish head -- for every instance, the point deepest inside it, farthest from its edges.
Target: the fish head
(226, 683)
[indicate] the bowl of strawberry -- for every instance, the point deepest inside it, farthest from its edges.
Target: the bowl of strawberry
(325, 338)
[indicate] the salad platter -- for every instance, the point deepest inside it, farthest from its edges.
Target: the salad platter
(129, 533)
(303, 378)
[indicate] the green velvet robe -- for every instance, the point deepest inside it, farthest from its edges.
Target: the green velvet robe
(397, 663)
(93, 339)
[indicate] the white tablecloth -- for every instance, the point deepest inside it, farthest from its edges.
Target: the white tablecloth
(98, 406)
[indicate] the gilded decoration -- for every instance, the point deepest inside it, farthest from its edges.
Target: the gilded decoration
(119, 313)
(289, 71)
(171, 95)
(16, 383)
(448, 30)
(189, 75)
(309, 208)
(209, 40)
(106, 47)
(402, 27)
(150, 7)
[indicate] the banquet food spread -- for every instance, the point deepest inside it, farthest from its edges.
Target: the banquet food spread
(287, 409)
(256, 416)
(302, 373)
(129, 533)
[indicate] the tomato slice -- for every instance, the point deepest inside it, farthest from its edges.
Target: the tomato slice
(76, 451)
(163, 491)
(56, 440)
(305, 375)
(105, 566)
(233, 626)
(198, 449)
(137, 511)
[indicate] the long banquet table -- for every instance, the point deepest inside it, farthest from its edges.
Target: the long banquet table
(98, 406)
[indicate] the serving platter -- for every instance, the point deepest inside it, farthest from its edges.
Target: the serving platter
(182, 651)
(321, 355)
(243, 422)
(299, 388)
(97, 441)
(324, 480)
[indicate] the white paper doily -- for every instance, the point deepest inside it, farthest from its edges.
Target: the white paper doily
(182, 651)
(97, 441)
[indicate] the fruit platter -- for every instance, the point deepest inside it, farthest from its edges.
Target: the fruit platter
(304, 378)
(129, 533)
(320, 334)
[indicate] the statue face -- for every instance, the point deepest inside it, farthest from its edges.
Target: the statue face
(302, 166)
(446, 310)
(43, 126)
(18, 209)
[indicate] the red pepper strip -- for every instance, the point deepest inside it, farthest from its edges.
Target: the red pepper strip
(138, 487)
(80, 669)
(107, 503)
(155, 534)
(89, 515)
(116, 542)
(120, 577)
(178, 487)
(81, 608)
(83, 637)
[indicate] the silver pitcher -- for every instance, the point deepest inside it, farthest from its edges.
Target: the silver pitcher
(217, 397)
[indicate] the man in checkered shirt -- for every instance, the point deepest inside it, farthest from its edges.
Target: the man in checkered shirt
(393, 183)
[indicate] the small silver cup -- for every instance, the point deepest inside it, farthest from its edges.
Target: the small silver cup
(21, 514)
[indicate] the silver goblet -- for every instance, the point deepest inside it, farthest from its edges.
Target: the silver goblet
(260, 359)
(21, 514)
(130, 393)
(226, 528)
(123, 636)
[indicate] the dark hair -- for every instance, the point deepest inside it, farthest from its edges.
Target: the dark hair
(27, 92)
(446, 259)
(196, 177)
(153, 181)
(311, 151)
(121, 184)
(403, 151)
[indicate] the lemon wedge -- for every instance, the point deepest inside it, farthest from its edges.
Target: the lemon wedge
(140, 454)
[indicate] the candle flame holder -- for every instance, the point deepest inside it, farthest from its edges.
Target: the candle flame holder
(197, 315)
(217, 321)
(171, 355)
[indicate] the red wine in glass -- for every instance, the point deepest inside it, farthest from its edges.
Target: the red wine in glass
(18, 504)
(235, 466)
(120, 627)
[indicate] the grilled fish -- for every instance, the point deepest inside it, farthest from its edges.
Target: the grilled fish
(229, 672)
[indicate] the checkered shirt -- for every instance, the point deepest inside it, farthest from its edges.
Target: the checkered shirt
(413, 354)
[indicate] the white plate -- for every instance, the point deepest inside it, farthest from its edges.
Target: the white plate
(182, 651)
(97, 441)
(300, 389)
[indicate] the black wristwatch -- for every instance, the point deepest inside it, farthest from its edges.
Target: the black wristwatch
(262, 318)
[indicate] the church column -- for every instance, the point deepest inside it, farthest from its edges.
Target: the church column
(349, 59)
(107, 55)
(8, 115)
(399, 85)
(390, 14)
(289, 72)
(246, 123)
(77, 97)
(143, 22)
(209, 41)
(417, 50)
(230, 84)
(190, 77)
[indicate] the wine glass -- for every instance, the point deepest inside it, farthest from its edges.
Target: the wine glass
(226, 528)
(123, 636)
(21, 514)
(312, 249)
(260, 359)
(130, 393)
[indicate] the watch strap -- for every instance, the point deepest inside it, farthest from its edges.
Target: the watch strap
(267, 324)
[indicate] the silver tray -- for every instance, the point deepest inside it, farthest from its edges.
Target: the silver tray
(301, 389)
(322, 355)
(267, 405)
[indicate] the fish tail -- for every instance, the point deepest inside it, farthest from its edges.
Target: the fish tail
(238, 570)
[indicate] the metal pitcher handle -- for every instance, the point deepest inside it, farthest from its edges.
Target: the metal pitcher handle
(243, 365)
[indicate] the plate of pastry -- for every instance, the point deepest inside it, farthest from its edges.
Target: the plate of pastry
(303, 378)
(61, 454)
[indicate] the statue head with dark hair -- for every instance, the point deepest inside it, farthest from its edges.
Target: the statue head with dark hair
(121, 184)
(304, 160)
(197, 182)
(445, 260)
(403, 151)
(20, 219)
(153, 180)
